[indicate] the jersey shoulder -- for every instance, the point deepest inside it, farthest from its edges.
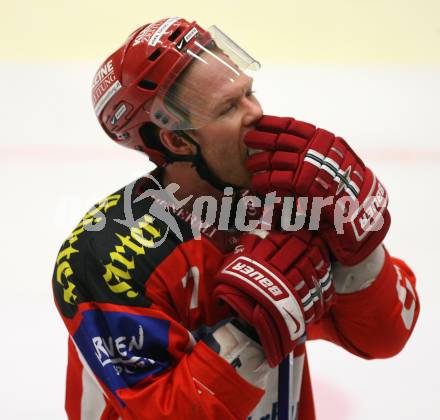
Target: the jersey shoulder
(114, 249)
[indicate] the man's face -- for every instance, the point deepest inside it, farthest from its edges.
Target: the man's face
(223, 97)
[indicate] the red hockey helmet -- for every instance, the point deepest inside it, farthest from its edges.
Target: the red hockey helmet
(132, 87)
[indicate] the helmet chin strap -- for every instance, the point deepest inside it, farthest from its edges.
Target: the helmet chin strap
(203, 170)
(201, 166)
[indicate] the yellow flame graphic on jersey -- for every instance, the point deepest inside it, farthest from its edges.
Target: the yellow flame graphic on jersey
(64, 271)
(137, 242)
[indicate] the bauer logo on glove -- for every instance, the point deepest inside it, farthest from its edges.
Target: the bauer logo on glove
(279, 283)
(267, 283)
(255, 275)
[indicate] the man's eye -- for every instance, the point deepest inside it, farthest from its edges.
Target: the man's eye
(233, 105)
(228, 108)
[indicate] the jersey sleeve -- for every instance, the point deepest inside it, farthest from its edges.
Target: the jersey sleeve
(375, 322)
(133, 344)
(142, 361)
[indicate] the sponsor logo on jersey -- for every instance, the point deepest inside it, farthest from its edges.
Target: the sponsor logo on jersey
(120, 352)
(123, 348)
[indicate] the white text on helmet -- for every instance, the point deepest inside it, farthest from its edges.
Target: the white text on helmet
(103, 72)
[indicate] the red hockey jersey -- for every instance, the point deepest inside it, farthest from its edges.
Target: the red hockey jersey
(135, 294)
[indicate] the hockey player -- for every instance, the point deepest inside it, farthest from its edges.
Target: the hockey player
(172, 317)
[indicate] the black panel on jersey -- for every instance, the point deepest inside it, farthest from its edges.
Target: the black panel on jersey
(113, 251)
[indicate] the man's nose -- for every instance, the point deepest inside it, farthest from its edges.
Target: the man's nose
(253, 112)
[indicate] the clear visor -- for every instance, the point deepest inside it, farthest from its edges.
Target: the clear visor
(219, 71)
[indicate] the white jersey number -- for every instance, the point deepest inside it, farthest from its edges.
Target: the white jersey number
(193, 273)
(403, 285)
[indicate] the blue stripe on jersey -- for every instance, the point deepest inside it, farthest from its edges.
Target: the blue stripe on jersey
(284, 389)
(122, 349)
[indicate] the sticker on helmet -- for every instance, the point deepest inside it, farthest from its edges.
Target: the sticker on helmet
(105, 71)
(142, 34)
(105, 85)
(102, 102)
(188, 37)
(119, 113)
(155, 38)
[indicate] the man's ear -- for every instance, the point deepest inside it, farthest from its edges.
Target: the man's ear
(176, 144)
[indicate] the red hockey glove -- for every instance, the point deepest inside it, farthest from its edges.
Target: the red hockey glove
(278, 282)
(298, 158)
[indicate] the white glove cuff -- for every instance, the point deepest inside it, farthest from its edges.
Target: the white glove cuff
(243, 353)
(360, 276)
